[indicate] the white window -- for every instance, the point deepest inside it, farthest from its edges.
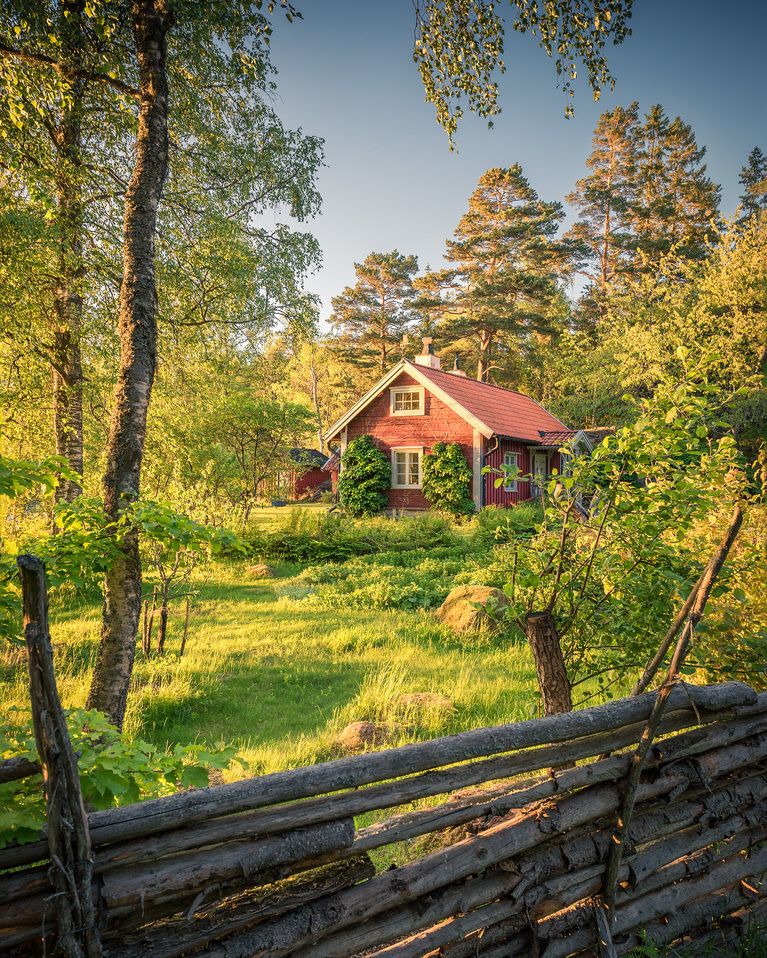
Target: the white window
(511, 459)
(406, 468)
(406, 401)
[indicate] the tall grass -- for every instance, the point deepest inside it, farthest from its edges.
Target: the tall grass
(280, 680)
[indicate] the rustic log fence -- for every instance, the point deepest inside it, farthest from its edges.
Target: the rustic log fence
(496, 860)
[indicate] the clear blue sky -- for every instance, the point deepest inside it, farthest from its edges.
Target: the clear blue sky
(345, 72)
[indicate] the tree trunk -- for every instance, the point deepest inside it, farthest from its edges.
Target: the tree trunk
(68, 301)
(138, 346)
(483, 362)
(162, 628)
(553, 682)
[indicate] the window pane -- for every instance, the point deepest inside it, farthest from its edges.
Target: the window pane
(407, 401)
(413, 479)
(399, 468)
(510, 459)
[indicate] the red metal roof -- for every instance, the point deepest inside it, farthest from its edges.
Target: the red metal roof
(506, 412)
(556, 437)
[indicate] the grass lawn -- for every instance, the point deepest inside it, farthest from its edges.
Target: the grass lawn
(279, 680)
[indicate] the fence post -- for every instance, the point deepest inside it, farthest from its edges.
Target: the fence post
(68, 838)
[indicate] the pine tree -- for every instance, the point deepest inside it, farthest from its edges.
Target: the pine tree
(604, 197)
(753, 179)
(371, 317)
(647, 193)
(506, 266)
(677, 202)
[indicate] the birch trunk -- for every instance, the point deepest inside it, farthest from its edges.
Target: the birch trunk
(138, 347)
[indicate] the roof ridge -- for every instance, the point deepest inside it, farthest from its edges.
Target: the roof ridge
(479, 382)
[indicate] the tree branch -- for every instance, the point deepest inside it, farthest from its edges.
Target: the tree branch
(41, 60)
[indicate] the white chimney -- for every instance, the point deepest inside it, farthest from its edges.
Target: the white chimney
(427, 357)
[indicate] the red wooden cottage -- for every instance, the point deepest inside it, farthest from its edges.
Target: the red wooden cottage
(417, 404)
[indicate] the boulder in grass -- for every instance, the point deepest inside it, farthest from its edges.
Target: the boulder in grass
(360, 736)
(464, 610)
(261, 571)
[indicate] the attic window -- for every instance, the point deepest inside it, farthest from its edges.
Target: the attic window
(406, 401)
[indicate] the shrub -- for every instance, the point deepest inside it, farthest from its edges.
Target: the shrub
(446, 478)
(113, 770)
(305, 536)
(365, 478)
(495, 525)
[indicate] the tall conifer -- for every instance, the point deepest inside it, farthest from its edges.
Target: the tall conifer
(753, 179)
(604, 197)
(371, 317)
(506, 265)
(647, 192)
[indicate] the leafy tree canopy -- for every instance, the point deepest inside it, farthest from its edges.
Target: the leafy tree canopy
(460, 43)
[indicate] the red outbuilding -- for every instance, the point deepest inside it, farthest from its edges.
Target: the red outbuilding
(416, 404)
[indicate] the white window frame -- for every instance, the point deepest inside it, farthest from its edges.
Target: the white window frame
(406, 450)
(395, 390)
(511, 486)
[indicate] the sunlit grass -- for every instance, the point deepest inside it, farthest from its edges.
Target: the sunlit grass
(279, 680)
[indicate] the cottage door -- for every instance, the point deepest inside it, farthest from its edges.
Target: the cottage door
(539, 474)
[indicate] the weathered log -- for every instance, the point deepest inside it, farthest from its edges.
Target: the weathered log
(386, 795)
(502, 799)
(68, 838)
(726, 939)
(656, 716)
(15, 768)
(572, 930)
(404, 881)
(161, 814)
(648, 824)
(666, 901)
(472, 855)
(478, 943)
(133, 896)
(541, 883)
(173, 938)
(266, 820)
(180, 878)
(455, 902)
(718, 803)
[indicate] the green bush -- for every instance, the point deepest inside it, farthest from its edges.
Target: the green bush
(398, 580)
(496, 525)
(113, 770)
(365, 478)
(446, 478)
(306, 536)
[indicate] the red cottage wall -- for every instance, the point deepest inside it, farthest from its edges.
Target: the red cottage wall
(308, 480)
(438, 424)
(497, 497)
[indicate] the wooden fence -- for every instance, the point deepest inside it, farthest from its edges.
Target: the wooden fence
(503, 863)
(493, 859)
